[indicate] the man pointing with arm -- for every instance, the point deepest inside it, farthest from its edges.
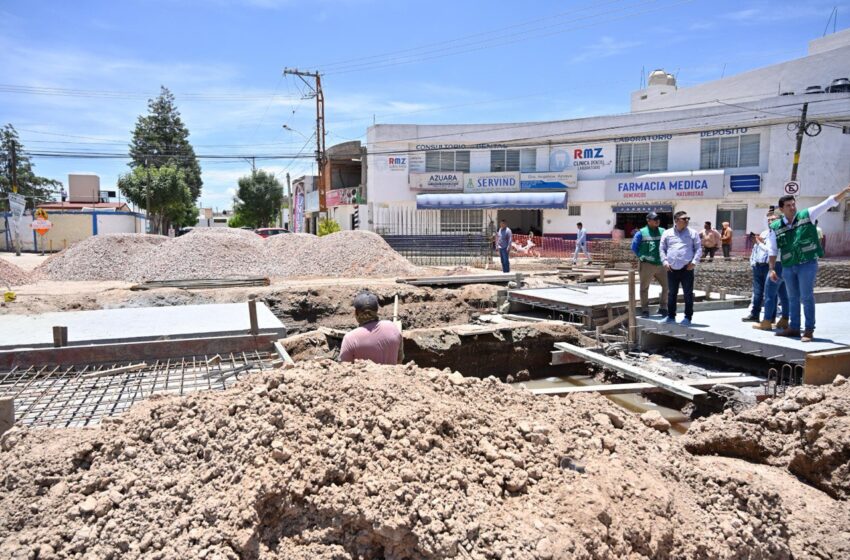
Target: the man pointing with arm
(794, 240)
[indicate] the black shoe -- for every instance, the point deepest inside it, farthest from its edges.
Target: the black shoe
(644, 314)
(662, 311)
(750, 319)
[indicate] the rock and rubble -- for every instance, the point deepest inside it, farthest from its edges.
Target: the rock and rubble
(222, 253)
(11, 275)
(806, 431)
(335, 461)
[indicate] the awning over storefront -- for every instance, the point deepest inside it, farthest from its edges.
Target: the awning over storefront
(641, 208)
(514, 200)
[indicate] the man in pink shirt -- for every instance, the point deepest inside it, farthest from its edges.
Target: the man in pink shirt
(379, 341)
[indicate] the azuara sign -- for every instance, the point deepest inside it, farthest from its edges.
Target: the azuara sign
(439, 181)
(491, 182)
(665, 186)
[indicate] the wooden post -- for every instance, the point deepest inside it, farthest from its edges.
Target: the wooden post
(602, 277)
(632, 318)
(60, 337)
(252, 313)
(707, 292)
(51, 245)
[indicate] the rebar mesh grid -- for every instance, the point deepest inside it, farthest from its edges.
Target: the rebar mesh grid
(74, 396)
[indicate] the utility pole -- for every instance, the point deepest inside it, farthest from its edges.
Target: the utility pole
(288, 203)
(317, 93)
(148, 196)
(804, 127)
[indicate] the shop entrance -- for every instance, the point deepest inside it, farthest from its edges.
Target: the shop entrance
(630, 222)
(522, 222)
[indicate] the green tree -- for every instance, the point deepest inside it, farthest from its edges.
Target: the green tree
(38, 189)
(161, 139)
(328, 226)
(258, 198)
(170, 197)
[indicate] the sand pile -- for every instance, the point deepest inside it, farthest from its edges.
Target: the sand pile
(208, 253)
(223, 253)
(11, 275)
(807, 431)
(361, 461)
(111, 256)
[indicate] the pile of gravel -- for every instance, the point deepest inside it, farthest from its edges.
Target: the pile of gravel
(224, 253)
(333, 461)
(11, 275)
(208, 253)
(111, 256)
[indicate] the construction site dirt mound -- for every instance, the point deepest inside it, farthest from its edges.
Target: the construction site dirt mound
(806, 431)
(11, 275)
(111, 256)
(343, 254)
(208, 253)
(335, 461)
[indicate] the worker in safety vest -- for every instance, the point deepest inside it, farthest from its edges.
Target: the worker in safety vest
(645, 244)
(794, 240)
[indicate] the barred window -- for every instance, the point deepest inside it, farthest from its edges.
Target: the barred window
(461, 221)
(641, 157)
(528, 160)
(504, 160)
(733, 151)
(447, 161)
(574, 210)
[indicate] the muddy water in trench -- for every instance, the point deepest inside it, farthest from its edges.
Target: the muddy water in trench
(633, 403)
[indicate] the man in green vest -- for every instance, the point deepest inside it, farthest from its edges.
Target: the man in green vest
(794, 239)
(645, 244)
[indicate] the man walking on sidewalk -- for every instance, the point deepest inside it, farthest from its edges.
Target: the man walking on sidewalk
(680, 252)
(794, 239)
(646, 245)
(581, 244)
(504, 238)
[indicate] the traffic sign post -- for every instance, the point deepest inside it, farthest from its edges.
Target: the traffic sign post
(792, 187)
(17, 204)
(41, 225)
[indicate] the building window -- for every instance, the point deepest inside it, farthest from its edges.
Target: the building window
(729, 152)
(461, 221)
(737, 218)
(513, 160)
(447, 161)
(642, 157)
(573, 210)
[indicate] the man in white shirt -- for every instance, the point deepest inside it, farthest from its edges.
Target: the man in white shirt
(794, 240)
(581, 244)
(680, 252)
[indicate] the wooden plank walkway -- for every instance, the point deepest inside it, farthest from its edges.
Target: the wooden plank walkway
(631, 388)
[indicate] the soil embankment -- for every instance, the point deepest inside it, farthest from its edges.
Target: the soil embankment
(361, 461)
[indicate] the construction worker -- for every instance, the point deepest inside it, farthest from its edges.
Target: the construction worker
(646, 244)
(794, 241)
(375, 340)
(773, 291)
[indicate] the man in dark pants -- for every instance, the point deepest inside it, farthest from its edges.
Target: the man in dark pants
(680, 253)
(504, 238)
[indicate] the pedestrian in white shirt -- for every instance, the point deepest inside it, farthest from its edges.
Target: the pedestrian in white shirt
(794, 241)
(581, 244)
(680, 252)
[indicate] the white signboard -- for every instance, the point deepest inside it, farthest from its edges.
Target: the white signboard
(792, 187)
(393, 162)
(490, 182)
(416, 162)
(438, 181)
(17, 203)
(589, 161)
(543, 181)
(666, 186)
(311, 201)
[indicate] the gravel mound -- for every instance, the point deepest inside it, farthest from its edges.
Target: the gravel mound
(807, 431)
(224, 253)
(334, 461)
(208, 253)
(11, 275)
(111, 256)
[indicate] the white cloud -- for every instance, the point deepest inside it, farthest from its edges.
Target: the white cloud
(604, 48)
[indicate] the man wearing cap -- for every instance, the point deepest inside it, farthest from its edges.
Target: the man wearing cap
(680, 252)
(794, 241)
(378, 341)
(646, 245)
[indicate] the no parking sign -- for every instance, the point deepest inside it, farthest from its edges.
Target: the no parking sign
(792, 187)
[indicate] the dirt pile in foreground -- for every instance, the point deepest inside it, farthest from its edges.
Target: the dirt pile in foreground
(222, 253)
(11, 275)
(363, 461)
(807, 431)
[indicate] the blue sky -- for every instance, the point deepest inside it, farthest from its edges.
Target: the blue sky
(395, 62)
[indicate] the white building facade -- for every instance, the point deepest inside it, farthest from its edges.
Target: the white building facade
(722, 151)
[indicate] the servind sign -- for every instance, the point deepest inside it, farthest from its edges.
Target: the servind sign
(666, 186)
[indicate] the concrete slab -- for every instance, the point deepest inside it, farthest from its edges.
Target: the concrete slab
(137, 324)
(585, 296)
(723, 329)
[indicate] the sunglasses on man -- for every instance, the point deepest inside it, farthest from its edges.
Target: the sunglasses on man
(684, 219)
